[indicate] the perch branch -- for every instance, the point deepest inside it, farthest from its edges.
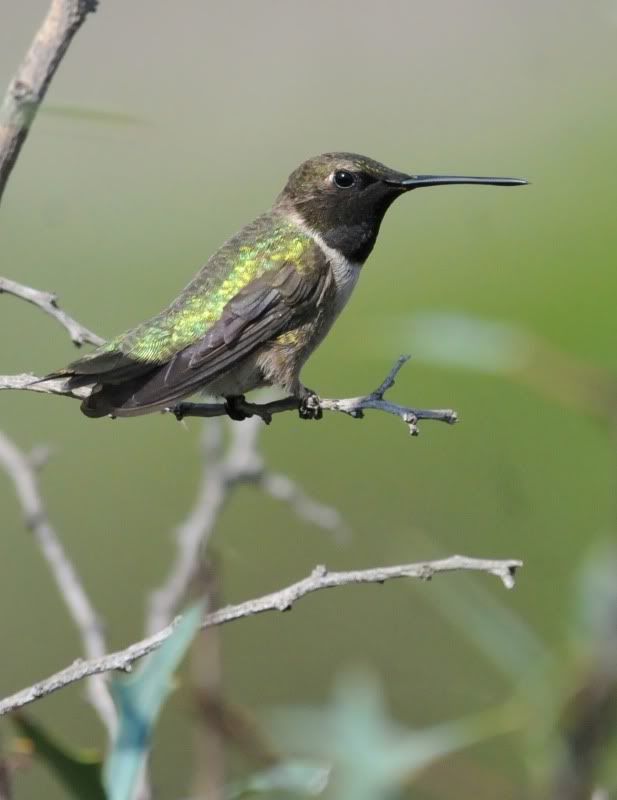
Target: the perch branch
(29, 85)
(281, 600)
(353, 406)
(22, 471)
(240, 463)
(48, 302)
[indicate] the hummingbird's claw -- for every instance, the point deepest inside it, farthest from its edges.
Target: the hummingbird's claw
(310, 407)
(232, 407)
(178, 411)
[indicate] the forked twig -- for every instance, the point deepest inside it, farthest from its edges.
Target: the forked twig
(48, 302)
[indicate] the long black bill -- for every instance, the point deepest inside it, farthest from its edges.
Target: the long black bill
(417, 181)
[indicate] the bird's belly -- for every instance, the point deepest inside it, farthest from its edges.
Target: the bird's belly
(245, 377)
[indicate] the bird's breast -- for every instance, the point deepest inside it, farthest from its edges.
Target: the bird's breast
(345, 275)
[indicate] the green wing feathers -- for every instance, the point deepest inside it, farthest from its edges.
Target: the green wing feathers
(254, 288)
(262, 247)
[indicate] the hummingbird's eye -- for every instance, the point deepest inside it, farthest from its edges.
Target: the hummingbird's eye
(343, 179)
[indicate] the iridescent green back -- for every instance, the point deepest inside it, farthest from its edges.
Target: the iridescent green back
(263, 245)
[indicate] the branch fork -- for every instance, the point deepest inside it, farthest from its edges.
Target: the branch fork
(48, 302)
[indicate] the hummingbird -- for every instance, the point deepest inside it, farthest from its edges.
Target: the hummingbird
(264, 301)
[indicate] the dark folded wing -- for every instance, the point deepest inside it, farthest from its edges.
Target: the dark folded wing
(262, 311)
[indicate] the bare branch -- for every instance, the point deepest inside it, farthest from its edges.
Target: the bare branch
(29, 86)
(22, 472)
(48, 302)
(239, 463)
(353, 406)
(30, 383)
(281, 487)
(282, 600)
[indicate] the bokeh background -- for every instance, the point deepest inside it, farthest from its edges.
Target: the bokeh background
(169, 126)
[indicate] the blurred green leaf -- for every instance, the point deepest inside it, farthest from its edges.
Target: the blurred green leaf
(298, 777)
(584, 731)
(460, 340)
(139, 699)
(78, 771)
(501, 348)
(372, 756)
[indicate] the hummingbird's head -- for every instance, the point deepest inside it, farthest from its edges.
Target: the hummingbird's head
(344, 196)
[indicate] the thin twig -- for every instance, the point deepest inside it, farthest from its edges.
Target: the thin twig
(282, 488)
(353, 406)
(22, 472)
(239, 463)
(29, 85)
(28, 382)
(48, 302)
(282, 600)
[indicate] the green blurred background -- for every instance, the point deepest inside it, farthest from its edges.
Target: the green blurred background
(116, 214)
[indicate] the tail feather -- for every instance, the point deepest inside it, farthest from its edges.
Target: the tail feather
(114, 376)
(138, 395)
(114, 400)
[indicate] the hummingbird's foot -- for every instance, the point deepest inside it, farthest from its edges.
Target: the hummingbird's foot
(232, 407)
(310, 406)
(179, 410)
